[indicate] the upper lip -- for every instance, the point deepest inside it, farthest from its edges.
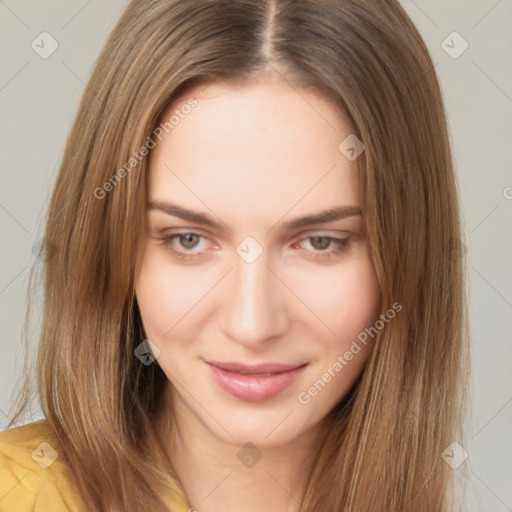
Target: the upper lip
(249, 369)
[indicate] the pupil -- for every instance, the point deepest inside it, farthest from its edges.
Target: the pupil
(325, 244)
(189, 241)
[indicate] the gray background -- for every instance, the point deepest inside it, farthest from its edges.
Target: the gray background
(38, 101)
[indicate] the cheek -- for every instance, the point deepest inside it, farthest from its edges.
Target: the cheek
(346, 299)
(166, 295)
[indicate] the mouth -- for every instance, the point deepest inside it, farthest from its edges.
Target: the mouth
(255, 382)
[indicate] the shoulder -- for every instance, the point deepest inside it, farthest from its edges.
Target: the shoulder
(32, 476)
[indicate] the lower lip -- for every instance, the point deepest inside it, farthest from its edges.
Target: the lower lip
(251, 388)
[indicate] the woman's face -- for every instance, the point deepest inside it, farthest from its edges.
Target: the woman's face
(236, 270)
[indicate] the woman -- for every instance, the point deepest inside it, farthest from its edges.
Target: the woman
(252, 298)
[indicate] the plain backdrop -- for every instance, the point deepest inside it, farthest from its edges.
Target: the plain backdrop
(39, 97)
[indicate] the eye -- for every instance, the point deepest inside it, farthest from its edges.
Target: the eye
(182, 245)
(325, 246)
(189, 245)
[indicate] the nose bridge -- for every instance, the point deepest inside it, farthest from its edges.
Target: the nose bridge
(254, 309)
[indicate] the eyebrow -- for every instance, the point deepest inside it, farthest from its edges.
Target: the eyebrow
(328, 215)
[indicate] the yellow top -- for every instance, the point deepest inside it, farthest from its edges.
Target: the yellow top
(33, 477)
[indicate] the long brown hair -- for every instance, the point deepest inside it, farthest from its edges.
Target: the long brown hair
(384, 450)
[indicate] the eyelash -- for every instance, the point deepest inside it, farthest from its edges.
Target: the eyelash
(340, 245)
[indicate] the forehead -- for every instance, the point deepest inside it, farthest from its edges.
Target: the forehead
(260, 105)
(261, 147)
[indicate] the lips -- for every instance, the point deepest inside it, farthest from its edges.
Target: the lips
(255, 369)
(256, 382)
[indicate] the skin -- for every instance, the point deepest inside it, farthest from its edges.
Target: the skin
(253, 158)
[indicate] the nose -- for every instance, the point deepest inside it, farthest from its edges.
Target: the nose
(255, 308)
